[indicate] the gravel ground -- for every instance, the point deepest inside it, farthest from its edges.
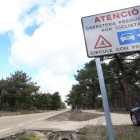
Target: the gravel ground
(63, 122)
(75, 116)
(14, 113)
(42, 135)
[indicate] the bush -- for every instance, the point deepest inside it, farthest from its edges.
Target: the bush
(28, 138)
(23, 138)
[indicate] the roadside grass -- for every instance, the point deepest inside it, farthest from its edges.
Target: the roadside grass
(36, 135)
(75, 115)
(21, 112)
(119, 111)
(24, 112)
(121, 132)
(83, 116)
(61, 117)
(27, 138)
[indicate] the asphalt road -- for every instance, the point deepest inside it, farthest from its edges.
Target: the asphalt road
(117, 119)
(11, 124)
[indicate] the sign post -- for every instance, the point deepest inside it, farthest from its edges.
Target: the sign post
(107, 34)
(104, 98)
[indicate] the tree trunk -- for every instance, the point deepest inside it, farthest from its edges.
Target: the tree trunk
(28, 103)
(28, 107)
(12, 106)
(120, 84)
(76, 107)
(93, 99)
(113, 99)
(1, 105)
(125, 84)
(94, 103)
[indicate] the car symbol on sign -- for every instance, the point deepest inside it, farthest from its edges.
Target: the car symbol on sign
(127, 36)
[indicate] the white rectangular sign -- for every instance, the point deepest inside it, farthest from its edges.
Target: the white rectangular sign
(112, 32)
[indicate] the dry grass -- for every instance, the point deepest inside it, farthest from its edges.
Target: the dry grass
(34, 135)
(119, 111)
(83, 116)
(91, 132)
(75, 116)
(61, 117)
(13, 113)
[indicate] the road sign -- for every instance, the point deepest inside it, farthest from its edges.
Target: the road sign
(102, 43)
(112, 32)
(129, 37)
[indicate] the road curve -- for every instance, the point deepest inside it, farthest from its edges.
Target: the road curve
(11, 124)
(117, 119)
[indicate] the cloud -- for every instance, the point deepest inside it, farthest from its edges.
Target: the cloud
(11, 11)
(59, 38)
(57, 47)
(58, 44)
(52, 83)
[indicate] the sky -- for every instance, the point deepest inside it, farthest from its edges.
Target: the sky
(44, 38)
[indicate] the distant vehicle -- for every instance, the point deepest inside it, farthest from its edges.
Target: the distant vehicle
(127, 36)
(135, 115)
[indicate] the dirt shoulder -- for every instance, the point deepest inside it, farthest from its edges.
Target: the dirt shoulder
(75, 116)
(117, 118)
(69, 121)
(122, 132)
(64, 125)
(23, 112)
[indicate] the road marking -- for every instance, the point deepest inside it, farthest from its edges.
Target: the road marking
(30, 121)
(21, 124)
(5, 129)
(40, 119)
(37, 119)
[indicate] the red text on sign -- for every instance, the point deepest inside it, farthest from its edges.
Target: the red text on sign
(116, 15)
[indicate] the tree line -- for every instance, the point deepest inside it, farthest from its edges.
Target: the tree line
(122, 80)
(18, 92)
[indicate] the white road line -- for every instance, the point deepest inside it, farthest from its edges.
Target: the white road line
(40, 119)
(5, 129)
(30, 121)
(37, 119)
(21, 124)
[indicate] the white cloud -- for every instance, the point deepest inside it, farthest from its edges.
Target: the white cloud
(11, 11)
(57, 47)
(54, 47)
(52, 83)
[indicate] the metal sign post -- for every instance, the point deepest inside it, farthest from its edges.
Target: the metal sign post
(107, 34)
(104, 98)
